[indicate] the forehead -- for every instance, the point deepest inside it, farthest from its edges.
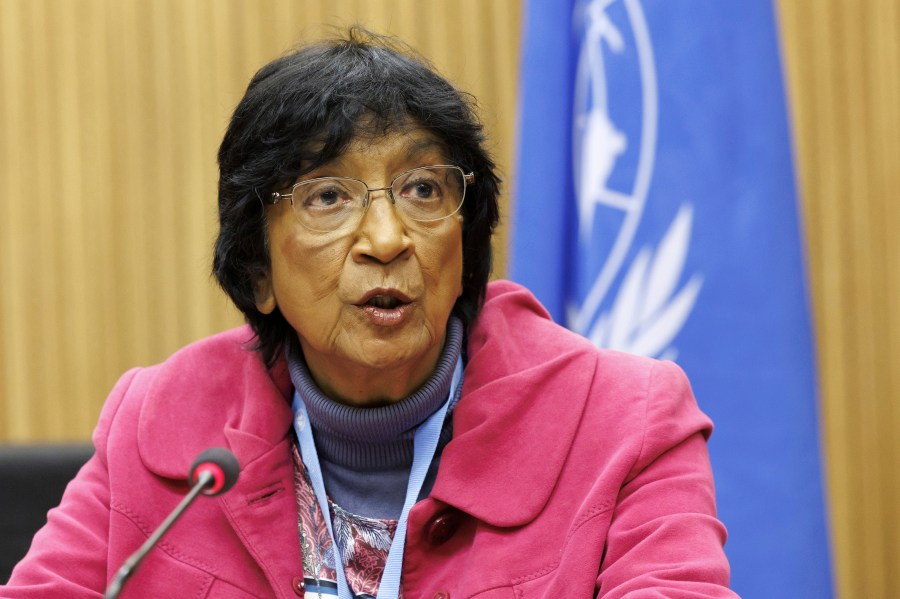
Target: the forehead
(401, 144)
(381, 152)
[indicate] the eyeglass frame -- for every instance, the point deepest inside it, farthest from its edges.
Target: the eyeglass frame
(468, 179)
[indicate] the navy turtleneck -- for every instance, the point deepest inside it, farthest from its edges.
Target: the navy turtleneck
(366, 453)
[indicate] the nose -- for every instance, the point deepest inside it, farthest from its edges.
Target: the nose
(382, 235)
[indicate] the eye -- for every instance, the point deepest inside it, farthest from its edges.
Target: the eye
(423, 184)
(325, 194)
(326, 197)
(423, 190)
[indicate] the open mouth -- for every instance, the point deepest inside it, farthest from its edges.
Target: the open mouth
(386, 307)
(387, 302)
(384, 298)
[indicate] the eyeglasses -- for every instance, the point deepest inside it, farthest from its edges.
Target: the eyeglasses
(425, 194)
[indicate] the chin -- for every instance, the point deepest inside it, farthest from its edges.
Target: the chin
(390, 358)
(400, 352)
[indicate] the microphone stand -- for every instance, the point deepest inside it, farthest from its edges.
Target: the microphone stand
(115, 587)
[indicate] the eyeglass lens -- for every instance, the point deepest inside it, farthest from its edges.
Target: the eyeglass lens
(423, 194)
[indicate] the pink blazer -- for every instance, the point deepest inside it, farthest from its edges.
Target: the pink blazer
(572, 472)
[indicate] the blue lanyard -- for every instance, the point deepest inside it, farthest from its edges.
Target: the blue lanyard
(424, 445)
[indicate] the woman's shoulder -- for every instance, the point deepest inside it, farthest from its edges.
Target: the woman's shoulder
(211, 370)
(511, 311)
(204, 364)
(235, 343)
(193, 396)
(210, 363)
(513, 317)
(515, 339)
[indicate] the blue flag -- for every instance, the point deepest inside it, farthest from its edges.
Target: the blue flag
(655, 212)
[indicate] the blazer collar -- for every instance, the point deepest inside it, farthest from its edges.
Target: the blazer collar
(216, 392)
(525, 389)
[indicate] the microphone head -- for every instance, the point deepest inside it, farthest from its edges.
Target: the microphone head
(221, 464)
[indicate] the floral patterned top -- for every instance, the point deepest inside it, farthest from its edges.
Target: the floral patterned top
(364, 543)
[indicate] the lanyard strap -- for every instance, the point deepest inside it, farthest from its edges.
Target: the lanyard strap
(424, 445)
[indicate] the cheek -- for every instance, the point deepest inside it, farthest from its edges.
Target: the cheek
(445, 268)
(455, 259)
(456, 266)
(305, 274)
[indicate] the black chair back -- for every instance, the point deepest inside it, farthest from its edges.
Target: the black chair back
(32, 481)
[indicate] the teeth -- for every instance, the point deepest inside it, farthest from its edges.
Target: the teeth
(384, 301)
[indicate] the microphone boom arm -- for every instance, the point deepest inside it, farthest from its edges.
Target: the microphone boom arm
(204, 479)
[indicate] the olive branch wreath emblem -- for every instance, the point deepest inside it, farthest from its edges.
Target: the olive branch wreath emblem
(649, 309)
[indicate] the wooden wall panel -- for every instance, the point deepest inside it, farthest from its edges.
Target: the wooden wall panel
(111, 113)
(843, 67)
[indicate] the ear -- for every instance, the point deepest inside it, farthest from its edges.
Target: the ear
(265, 295)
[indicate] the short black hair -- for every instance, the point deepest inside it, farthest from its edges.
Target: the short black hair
(301, 111)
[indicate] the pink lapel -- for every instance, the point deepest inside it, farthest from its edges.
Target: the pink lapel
(526, 385)
(206, 389)
(218, 393)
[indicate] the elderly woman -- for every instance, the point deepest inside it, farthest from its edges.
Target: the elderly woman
(403, 427)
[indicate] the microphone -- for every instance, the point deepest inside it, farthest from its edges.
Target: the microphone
(217, 469)
(213, 472)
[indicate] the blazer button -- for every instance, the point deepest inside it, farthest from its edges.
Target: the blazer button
(441, 528)
(299, 586)
(442, 595)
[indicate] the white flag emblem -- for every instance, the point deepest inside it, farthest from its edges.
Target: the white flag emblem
(646, 310)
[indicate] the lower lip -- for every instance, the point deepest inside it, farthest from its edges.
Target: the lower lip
(387, 317)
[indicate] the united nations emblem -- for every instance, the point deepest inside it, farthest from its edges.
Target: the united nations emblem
(628, 290)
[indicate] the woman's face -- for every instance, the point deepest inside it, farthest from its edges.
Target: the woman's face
(369, 305)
